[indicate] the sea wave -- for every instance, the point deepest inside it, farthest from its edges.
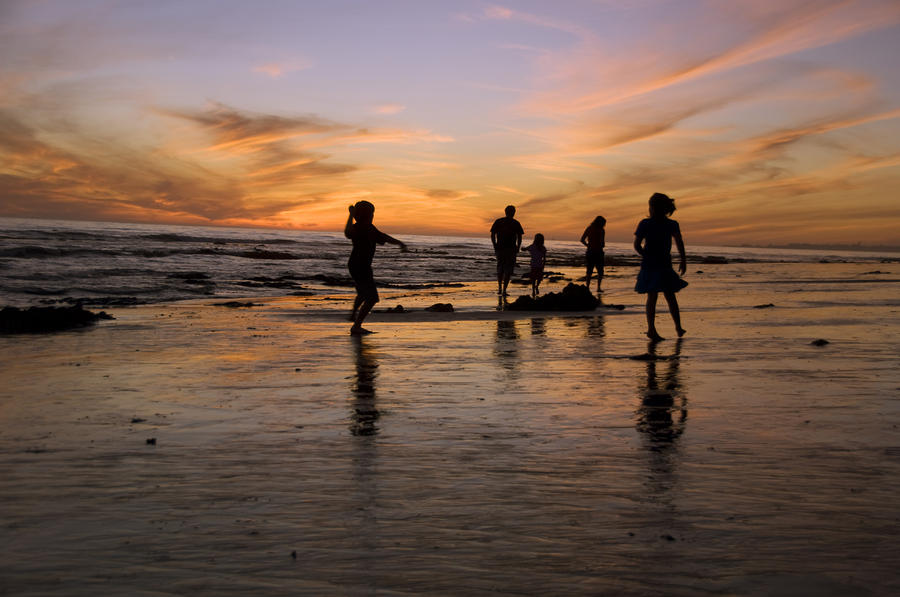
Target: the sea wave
(169, 237)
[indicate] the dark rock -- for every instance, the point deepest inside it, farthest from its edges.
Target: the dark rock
(714, 259)
(46, 319)
(574, 297)
(766, 306)
(440, 308)
(613, 306)
(397, 309)
(820, 342)
(235, 304)
(151, 441)
(138, 420)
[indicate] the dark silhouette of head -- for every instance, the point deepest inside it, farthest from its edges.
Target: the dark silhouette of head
(599, 221)
(510, 211)
(364, 211)
(539, 239)
(661, 205)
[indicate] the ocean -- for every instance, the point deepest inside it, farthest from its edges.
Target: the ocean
(267, 451)
(102, 264)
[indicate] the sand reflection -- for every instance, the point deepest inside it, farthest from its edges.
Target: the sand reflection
(662, 415)
(506, 347)
(595, 327)
(364, 412)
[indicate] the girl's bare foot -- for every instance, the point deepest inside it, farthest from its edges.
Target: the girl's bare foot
(654, 336)
(680, 331)
(360, 331)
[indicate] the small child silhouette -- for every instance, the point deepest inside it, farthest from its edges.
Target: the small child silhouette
(538, 257)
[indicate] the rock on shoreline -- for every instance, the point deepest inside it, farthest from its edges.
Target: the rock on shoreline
(573, 297)
(46, 319)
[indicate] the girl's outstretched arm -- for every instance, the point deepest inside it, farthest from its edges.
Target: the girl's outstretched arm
(637, 246)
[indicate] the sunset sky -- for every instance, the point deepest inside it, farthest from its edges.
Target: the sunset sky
(768, 121)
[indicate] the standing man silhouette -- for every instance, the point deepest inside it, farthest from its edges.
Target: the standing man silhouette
(506, 236)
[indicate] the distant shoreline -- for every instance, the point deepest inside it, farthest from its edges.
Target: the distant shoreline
(822, 247)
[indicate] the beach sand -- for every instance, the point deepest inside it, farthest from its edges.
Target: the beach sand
(469, 453)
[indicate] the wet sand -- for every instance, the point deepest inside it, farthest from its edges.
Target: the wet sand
(471, 453)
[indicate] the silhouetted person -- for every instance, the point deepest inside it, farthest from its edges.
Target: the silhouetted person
(365, 236)
(594, 238)
(538, 253)
(506, 236)
(653, 240)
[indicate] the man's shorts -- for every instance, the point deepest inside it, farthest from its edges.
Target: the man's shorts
(364, 281)
(506, 260)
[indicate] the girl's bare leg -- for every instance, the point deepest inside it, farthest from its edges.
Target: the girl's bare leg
(675, 312)
(364, 309)
(651, 316)
(356, 303)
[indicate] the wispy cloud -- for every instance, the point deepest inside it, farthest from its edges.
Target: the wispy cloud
(279, 69)
(584, 78)
(389, 108)
(217, 164)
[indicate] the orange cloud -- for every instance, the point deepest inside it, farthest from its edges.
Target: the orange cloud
(279, 69)
(389, 108)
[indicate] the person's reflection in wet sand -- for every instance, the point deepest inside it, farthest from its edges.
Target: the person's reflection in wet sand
(595, 327)
(662, 416)
(506, 347)
(538, 326)
(364, 413)
(363, 417)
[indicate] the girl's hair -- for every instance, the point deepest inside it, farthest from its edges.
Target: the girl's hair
(363, 211)
(539, 239)
(599, 221)
(662, 204)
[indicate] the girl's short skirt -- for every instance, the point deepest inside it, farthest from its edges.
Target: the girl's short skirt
(658, 280)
